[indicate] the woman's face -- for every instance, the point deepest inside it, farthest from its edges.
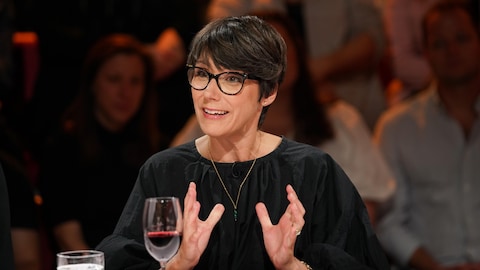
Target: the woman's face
(118, 89)
(223, 115)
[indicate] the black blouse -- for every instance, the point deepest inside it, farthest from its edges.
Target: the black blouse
(90, 190)
(337, 232)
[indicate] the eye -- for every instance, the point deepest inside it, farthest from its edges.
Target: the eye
(201, 73)
(113, 78)
(437, 44)
(232, 77)
(463, 38)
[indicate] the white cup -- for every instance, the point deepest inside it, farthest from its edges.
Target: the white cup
(80, 260)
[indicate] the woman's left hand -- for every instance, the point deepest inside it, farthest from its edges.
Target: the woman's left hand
(280, 238)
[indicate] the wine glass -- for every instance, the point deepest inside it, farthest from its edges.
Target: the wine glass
(162, 227)
(80, 260)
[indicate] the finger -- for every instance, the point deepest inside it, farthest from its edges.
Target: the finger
(191, 205)
(263, 215)
(297, 211)
(191, 195)
(293, 198)
(215, 215)
(291, 194)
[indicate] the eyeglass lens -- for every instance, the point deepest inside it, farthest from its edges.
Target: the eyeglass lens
(229, 83)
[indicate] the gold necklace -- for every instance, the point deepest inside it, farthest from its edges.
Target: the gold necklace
(234, 203)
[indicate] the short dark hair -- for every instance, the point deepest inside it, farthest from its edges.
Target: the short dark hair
(245, 43)
(312, 124)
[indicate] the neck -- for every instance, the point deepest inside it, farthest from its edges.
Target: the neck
(107, 124)
(227, 151)
(460, 101)
(460, 97)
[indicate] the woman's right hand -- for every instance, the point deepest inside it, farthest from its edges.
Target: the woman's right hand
(196, 233)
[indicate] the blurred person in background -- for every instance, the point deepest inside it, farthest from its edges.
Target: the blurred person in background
(67, 29)
(432, 145)
(411, 71)
(91, 162)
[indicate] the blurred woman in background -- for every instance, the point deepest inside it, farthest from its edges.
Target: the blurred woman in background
(91, 163)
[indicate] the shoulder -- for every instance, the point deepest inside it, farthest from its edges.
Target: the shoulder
(179, 154)
(314, 167)
(343, 112)
(169, 163)
(301, 154)
(349, 125)
(407, 113)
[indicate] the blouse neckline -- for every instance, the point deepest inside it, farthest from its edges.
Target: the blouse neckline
(266, 157)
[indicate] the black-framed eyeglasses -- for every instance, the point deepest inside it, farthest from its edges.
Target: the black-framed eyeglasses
(229, 82)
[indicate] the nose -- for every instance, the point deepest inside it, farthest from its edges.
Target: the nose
(125, 87)
(128, 89)
(212, 91)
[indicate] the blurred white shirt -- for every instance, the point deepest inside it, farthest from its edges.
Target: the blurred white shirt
(437, 205)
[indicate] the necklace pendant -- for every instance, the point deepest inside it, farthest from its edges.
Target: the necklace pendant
(235, 214)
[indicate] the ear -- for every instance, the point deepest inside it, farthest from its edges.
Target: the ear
(269, 100)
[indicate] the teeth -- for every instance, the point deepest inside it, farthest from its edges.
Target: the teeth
(214, 112)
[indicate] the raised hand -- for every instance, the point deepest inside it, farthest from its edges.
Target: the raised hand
(196, 233)
(280, 238)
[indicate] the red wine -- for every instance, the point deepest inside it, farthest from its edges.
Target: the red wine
(162, 245)
(161, 239)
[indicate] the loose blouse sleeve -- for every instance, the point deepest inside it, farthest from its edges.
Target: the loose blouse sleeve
(125, 248)
(338, 233)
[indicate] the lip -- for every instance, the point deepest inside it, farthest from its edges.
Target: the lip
(213, 113)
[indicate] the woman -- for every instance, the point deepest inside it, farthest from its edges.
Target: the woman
(334, 126)
(108, 132)
(253, 200)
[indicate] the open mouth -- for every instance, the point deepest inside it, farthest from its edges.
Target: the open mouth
(214, 112)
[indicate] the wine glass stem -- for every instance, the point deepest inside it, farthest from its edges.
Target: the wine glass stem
(163, 265)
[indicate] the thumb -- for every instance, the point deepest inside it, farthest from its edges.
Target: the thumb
(263, 215)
